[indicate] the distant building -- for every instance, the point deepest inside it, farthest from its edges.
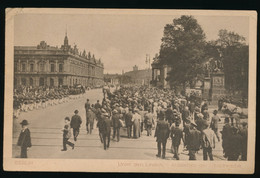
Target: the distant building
(44, 65)
(113, 79)
(140, 77)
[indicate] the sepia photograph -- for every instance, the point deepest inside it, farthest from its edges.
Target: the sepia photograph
(130, 90)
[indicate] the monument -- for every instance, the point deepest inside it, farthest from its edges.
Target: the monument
(217, 77)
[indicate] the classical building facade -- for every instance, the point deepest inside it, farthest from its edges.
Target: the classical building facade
(44, 65)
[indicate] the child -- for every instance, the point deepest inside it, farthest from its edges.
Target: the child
(66, 135)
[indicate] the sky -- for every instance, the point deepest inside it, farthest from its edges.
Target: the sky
(121, 41)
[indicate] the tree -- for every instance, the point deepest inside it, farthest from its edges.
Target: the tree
(182, 48)
(235, 56)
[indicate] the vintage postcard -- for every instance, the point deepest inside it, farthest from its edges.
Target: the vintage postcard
(130, 90)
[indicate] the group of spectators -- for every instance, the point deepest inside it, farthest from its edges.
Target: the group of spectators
(174, 116)
(30, 98)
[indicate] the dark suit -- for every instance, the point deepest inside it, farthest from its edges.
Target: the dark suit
(162, 133)
(105, 128)
(176, 135)
(226, 133)
(116, 125)
(75, 124)
(193, 142)
(24, 141)
(129, 123)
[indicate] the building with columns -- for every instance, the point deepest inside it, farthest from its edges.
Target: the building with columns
(44, 65)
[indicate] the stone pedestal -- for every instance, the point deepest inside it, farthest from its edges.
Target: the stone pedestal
(206, 89)
(217, 86)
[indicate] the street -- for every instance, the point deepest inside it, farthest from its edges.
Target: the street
(46, 124)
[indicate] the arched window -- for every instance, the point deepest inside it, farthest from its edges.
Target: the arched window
(31, 67)
(60, 81)
(51, 82)
(41, 81)
(52, 68)
(31, 82)
(60, 67)
(24, 81)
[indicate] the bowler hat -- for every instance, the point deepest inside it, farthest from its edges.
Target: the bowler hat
(24, 122)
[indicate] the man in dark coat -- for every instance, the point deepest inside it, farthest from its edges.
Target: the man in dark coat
(105, 128)
(226, 133)
(162, 132)
(243, 132)
(193, 141)
(169, 115)
(75, 124)
(129, 123)
(24, 139)
(234, 145)
(66, 135)
(176, 135)
(98, 105)
(116, 124)
(87, 105)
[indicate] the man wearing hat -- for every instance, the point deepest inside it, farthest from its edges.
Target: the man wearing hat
(177, 136)
(193, 140)
(162, 132)
(128, 122)
(226, 133)
(116, 124)
(75, 124)
(24, 140)
(105, 130)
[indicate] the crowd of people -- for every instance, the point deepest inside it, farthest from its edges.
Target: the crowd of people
(181, 119)
(30, 98)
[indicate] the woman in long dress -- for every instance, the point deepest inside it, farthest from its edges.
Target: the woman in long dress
(136, 123)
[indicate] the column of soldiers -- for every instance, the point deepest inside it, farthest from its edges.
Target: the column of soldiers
(29, 98)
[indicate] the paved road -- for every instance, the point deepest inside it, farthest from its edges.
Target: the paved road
(46, 125)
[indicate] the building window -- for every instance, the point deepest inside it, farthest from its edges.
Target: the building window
(60, 81)
(31, 67)
(31, 82)
(41, 81)
(52, 67)
(41, 67)
(60, 67)
(51, 82)
(23, 67)
(24, 81)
